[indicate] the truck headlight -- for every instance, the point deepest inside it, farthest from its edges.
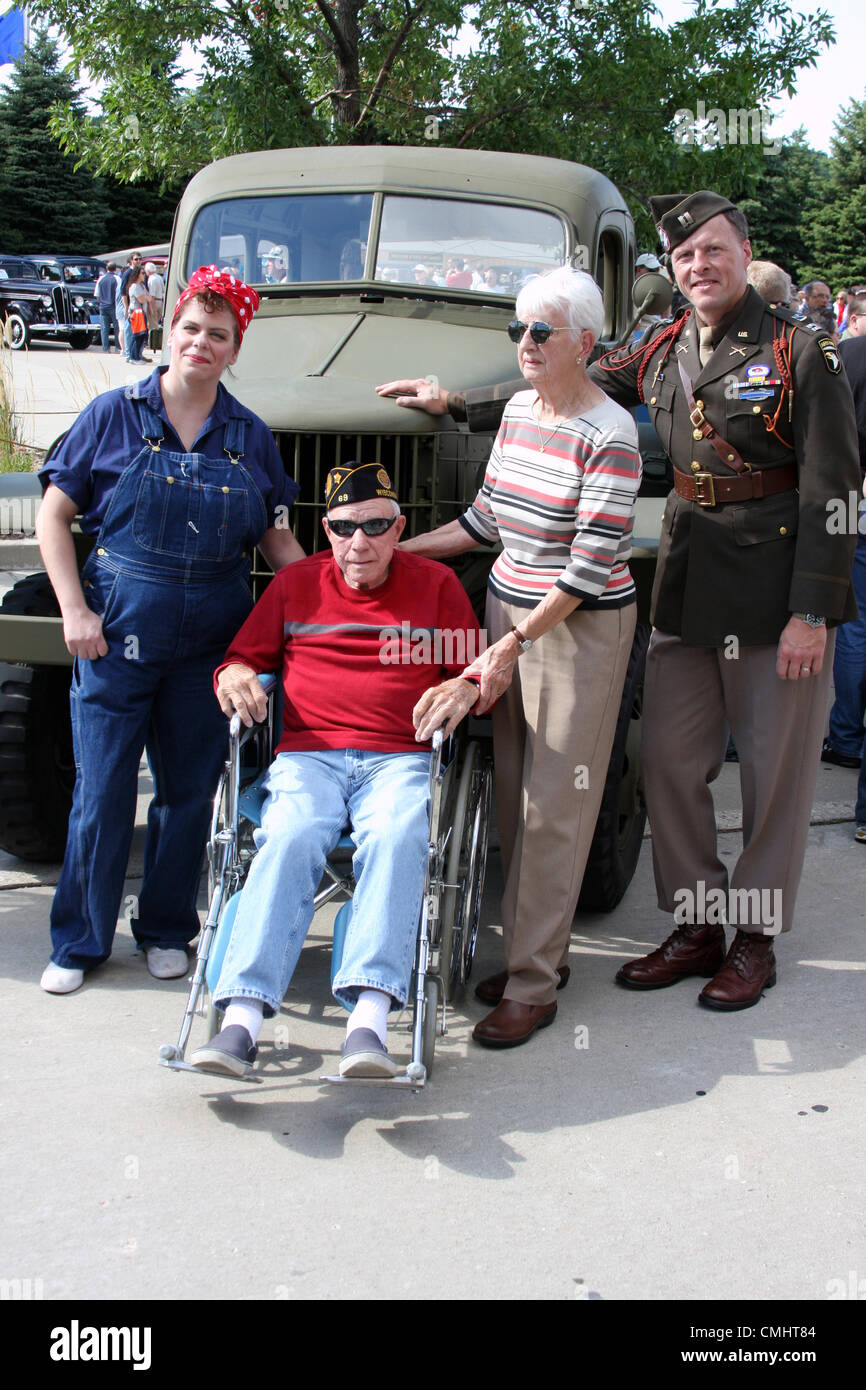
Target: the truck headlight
(46, 300)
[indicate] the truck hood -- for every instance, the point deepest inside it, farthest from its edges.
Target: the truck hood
(318, 371)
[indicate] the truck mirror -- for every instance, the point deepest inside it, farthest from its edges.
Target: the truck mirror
(652, 293)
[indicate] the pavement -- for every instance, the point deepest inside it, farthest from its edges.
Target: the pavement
(642, 1148)
(52, 384)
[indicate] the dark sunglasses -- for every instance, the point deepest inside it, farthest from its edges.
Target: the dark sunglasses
(539, 332)
(376, 526)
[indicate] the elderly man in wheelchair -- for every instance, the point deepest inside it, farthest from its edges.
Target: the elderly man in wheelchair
(353, 728)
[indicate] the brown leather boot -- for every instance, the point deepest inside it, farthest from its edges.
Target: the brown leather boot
(749, 969)
(693, 950)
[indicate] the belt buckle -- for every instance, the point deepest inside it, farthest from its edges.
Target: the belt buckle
(702, 481)
(698, 418)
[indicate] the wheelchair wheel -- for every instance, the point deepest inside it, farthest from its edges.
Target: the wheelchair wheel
(467, 860)
(431, 1022)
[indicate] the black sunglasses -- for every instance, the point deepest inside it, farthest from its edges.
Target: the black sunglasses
(376, 526)
(539, 331)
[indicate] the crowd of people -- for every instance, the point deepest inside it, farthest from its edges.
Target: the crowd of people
(753, 406)
(130, 306)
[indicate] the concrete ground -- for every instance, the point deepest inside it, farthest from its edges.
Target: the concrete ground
(642, 1148)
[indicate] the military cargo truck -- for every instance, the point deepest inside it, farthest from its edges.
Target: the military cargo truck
(371, 263)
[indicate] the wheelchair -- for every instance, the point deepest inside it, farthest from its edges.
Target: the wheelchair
(460, 791)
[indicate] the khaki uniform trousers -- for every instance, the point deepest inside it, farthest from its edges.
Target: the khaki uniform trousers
(553, 730)
(692, 695)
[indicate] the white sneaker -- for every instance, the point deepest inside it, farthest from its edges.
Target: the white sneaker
(61, 979)
(166, 964)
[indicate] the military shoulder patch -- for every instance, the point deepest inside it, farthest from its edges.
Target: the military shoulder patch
(831, 356)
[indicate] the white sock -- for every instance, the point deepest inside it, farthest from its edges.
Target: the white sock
(249, 1013)
(371, 1011)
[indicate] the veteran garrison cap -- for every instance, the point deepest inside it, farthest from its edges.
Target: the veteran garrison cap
(677, 215)
(357, 482)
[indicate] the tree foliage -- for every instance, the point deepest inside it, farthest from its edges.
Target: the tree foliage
(782, 206)
(838, 221)
(591, 80)
(41, 194)
(46, 203)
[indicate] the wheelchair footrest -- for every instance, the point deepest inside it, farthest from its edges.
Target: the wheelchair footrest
(205, 1071)
(414, 1084)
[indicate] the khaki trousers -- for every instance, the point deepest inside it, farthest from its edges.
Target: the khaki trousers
(553, 731)
(692, 695)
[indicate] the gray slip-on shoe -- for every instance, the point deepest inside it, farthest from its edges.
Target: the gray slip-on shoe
(230, 1052)
(364, 1055)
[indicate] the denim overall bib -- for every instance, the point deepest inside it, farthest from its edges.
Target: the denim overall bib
(168, 574)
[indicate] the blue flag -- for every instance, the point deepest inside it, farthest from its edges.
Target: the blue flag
(11, 36)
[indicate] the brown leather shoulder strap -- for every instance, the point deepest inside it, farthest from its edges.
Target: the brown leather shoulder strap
(702, 428)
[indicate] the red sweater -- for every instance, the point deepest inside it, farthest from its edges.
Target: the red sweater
(355, 662)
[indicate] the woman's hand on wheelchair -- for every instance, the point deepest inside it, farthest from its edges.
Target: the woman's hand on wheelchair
(240, 692)
(443, 704)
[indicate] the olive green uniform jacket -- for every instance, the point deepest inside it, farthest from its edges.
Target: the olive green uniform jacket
(740, 570)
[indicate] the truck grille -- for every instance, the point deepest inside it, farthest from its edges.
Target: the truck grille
(436, 476)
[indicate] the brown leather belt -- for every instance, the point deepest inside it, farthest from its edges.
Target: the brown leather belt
(713, 489)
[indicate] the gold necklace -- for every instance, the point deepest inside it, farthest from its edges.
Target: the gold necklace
(556, 423)
(541, 438)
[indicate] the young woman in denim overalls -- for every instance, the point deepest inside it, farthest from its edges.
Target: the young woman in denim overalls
(178, 482)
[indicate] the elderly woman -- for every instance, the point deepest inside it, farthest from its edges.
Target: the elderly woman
(177, 482)
(559, 494)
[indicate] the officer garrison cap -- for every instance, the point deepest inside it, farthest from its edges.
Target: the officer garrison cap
(677, 215)
(357, 482)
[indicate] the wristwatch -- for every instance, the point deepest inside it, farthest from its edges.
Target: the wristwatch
(811, 618)
(524, 643)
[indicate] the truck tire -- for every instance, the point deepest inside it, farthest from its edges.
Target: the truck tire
(619, 829)
(37, 766)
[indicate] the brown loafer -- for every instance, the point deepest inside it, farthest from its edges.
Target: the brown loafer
(512, 1023)
(694, 950)
(749, 969)
(491, 990)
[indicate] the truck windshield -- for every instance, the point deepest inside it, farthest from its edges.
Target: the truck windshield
(488, 248)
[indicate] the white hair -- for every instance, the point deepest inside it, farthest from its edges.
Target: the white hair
(571, 294)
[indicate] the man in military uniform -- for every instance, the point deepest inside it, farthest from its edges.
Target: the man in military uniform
(756, 415)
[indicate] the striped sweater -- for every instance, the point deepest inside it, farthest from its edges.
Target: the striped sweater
(565, 515)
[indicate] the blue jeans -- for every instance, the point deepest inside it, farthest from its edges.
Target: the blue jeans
(154, 688)
(107, 323)
(860, 807)
(310, 798)
(849, 669)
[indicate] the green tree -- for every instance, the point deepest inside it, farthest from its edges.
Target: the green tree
(838, 223)
(782, 207)
(45, 204)
(591, 80)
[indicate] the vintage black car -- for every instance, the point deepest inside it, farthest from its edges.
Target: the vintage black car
(35, 307)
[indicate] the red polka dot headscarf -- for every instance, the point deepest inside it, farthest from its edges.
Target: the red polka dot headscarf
(241, 298)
